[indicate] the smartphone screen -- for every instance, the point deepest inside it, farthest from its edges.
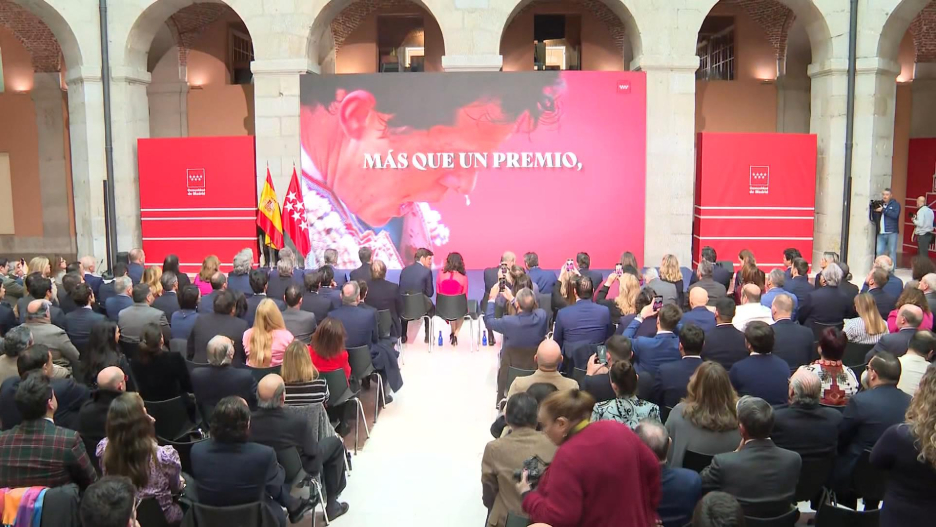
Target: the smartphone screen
(570, 265)
(657, 303)
(502, 284)
(619, 269)
(602, 354)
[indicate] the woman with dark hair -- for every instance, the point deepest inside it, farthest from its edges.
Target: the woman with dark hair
(161, 375)
(914, 296)
(452, 281)
(920, 266)
(329, 354)
(616, 459)
(748, 274)
(184, 319)
(629, 260)
(563, 293)
(171, 263)
(706, 420)
(626, 408)
(130, 450)
(839, 382)
(103, 352)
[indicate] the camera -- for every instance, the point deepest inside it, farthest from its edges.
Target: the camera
(535, 468)
(875, 203)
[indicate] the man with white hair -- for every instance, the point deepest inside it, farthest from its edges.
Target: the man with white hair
(776, 279)
(239, 278)
(39, 322)
(330, 258)
(219, 379)
(805, 426)
(137, 265)
(665, 289)
(923, 226)
(123, 287)
(928, 286)
(826, 305)
(90, 265)
(893, 285)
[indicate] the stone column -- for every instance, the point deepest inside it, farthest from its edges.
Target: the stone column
(130, 120)
(168, 109)
(50, 124)
(86, 128)
(792, 104)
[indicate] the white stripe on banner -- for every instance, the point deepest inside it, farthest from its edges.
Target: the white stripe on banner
(751, 238)
(754, 217)
(754, 208)
(200, 209)
(229, 238)
(202, 218)
(695, 263)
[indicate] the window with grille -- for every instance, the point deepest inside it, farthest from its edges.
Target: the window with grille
(716, 49)
(240, 55)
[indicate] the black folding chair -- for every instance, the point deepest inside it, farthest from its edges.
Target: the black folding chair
(362, 367)
(150, 514)
(578, 374)
(178, 345)
(192, 365)
(545, 303)
(172, 418)
(868, 481)
(255, 514)
(855, 353)
(512, 374)
(260, 373)
(696, 461)
(455, 307)
(416, 307)
(184, 448)
(513, 357)
(829, 515)
(297, 476)
(664, 413)
(384, 323)
(787, 519)
(340, 393)
(819, 327)
(814, 474)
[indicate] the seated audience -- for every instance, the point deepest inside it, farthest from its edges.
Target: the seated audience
(725, 344)
(826, 305)
(102, 352)
(748, 273)
(360, 325)
(889, 282)
(134, 318)
(384, 295)
(706, 421)
(301, 324)
(915, 362)
(584, 322)
(239, 277)
(183, 320)
(914, 297)
(365, 254)
(315, 301)
(273, 426)
(751, 309)
(544, 280)
(79, 322)
(775, 281)
(110, 502)
(303, 384)
(667, 290)
(624, 303)
(218, 284)
(69, 281)
(907, 452)
(229, 470)
(868, 327)
(792, 342)
(92, 418)
(806, 427)
(452, 281)
(625, 408)
(715, 289)
(36, 451)
(130, 450)
(839, 383)
(761, 475)
(168, 301)
(615, 457)
(222, 322)
(170, 265)
(762, 374)
(680, 488)
(259, 284)
(151, 277)
(648, 327)
(219, 379)
(583, 264)
(69, 395)
(64, 353)
(909, 319)
(15, 342)
(161, 375)
(40, 288)
(284, 275)
(651, 352)
(210, 265)
(672, 378)
(797, 281)
(548, 358)
(875, 285)
(597, 381)
(671, 273)
(328, 347)
(698, 313)
(720, 274)
(718, 509)
(521, 331)
(266, 341)
(564, 294)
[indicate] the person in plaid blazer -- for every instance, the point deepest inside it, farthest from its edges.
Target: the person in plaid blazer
(36, 452)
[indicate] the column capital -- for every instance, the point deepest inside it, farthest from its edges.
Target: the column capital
(167, 87)
(472, 62)
(863, 66)
(82, 74)
(924, 71)
(296, 66)
(47, 82)
(688, 64)
(130, 75)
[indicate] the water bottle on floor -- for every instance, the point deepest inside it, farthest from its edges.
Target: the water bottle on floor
(484, 339)
(440, 338)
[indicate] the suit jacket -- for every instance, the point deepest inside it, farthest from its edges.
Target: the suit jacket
(522, 384)
(236, 473)
(810, 430)
(651, 352)
(104, 292)
(761, 476)
(681, 489)
(56, 313)
(715, 289)
(850, 291)
(116, 304)
(725, 345)
(208, 326)
(794, 343)
(341, 278)
(65, 302)
(240, 282)
(320, 304)
(700, 316)
(798, 286)
(168, 303)
(523, 330)
(490, 280)
(868, 414)
(416, 278)
(253, 302)
(94, 282)
(279, 430)
(763, 376)
(583, 321)
(885, 301)
(64, 353)
(502, 457)
(893, 287)
(182, 322)
(596, 277)
(135, 272)
(300, 323)
(599, 386)
(383, 294)
(92, 418)
(362, 273)
(206, 304)
(8, 320)
(39, 453)
(826, 305)
(69, 394)
(213, 383)
(931, 301)
(667, 290)
(893, 343)
(276, 287)
(543, 279)
(719, 274)
(359, 324)
(672, 380)
(133, 318)
(78, 325)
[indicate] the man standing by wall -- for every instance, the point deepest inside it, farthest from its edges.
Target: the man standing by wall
(923, 226)
(886, 218)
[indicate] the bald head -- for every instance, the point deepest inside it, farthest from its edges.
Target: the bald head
(805, 387)
(910, 316)
(782, 307)
(271, 391)
(548, 355)
(750, 294)
(698, 297)
(38, 310)
(112, 378)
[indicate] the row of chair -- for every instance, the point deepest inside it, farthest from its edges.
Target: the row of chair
(449, 308)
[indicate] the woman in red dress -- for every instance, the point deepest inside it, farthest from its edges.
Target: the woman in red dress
(452, 281)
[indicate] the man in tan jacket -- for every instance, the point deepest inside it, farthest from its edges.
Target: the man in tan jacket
(548, 357)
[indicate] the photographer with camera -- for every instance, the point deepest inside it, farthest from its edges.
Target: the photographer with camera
(885, 214)
(595, 461)
(506, 457)
(923, 226)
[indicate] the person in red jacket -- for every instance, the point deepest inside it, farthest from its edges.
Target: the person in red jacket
(601, 476)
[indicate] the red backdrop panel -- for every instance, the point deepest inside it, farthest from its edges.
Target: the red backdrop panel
(198, 197)
(755, 192)
(921, 181)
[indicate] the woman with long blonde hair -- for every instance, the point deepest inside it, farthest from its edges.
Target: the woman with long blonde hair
(303, 384)
(266, 342)
(210, 265)
(907, 451)
(41, 265)
(670, 272)
(151, 277)
(868, 327)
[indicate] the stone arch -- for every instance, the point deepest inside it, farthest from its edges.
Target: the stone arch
(898, 22)
(923, 29)
(47, 53)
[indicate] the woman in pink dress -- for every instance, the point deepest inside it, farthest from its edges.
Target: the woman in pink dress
(452, 281)
(265, 343)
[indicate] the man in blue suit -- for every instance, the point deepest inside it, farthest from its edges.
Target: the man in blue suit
(698, 313)
(792, 342)
(886, 219)
(417, 278)
(79, 322)
(88, 265)
(891, 285)
(672, 378)
(583, 261)
(522, 332)
(136, 266)
(544, 280)
(680, 488)
(775, 282)
(584, 322)
(651, 352)
(798, 283)
(360, 324)
(123, 286)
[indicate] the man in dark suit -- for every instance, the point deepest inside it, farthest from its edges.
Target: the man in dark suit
(417, 278)
(721, 275)
(826, 305)
(544, 280)
(328, 284)
(868, 414)
(584, 322)
(330, 259)
(385, 295)
(168, 302)
(92, 417)
(849, 289)
(229, 470)
(885, 301)
(889, 282)
(315, 302)
(805, 426)
(364, 271)
(522, 332)
(239, 277)
(69, 394)
(300, 323)
(698, 313)
(715, 289)
(221, 322)
(79, 322)
(39, 288)
(652, 352)
(598, 383)
(360, 325)
(218, 284)
(219, 379)
(725, 344)
(762, 374)
(491, 278)
(136, 267)
(259, 282)
(123, 286)
(909, 319)
(133, 319)
(8, 319)
(69, 282)
(798, 283)
(761, 475)
(583, 261)
(109, 289)
(680, 488)
(792, 342)
(273, 426)
(672, 378)
(89, 265)
(790, 254)
(36, 452)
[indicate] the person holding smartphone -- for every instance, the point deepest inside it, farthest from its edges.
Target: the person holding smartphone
(650, 352)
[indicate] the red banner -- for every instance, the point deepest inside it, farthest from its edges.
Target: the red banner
(921, 181)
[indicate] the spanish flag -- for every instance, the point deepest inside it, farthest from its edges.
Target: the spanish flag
(268, 215)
